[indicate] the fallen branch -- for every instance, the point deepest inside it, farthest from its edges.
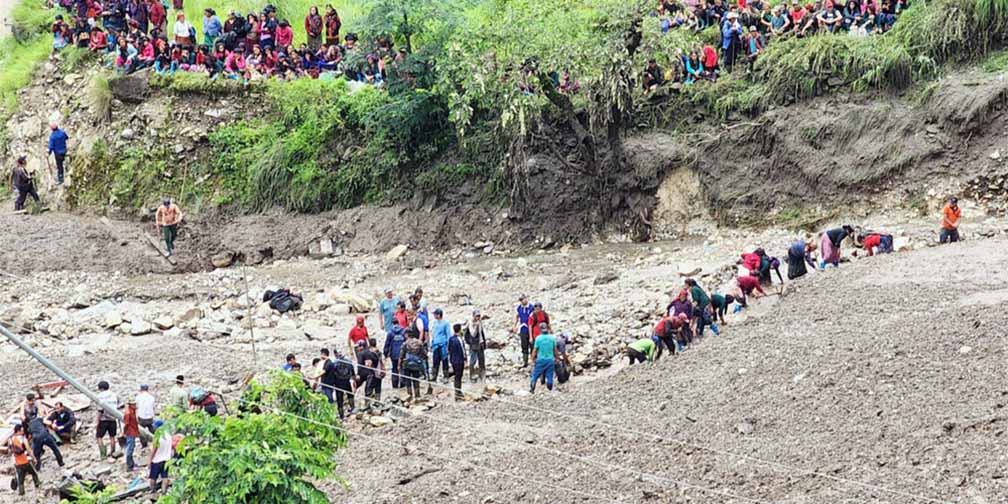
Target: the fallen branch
(410, 479)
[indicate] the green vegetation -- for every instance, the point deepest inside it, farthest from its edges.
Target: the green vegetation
(87, 493)
(350, 11)
(282, 440)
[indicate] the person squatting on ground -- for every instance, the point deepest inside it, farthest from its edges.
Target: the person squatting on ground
(669, 331)
(544, 358)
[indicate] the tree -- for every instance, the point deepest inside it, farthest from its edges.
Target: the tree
(283, 436)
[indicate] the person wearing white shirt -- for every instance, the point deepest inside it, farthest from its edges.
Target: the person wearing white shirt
(145, 411)
(182, 31)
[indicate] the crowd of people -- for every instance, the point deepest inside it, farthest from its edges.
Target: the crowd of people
(420, 346)
(136, 34)
(747, 26)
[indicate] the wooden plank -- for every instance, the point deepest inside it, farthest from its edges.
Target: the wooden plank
(157, 247)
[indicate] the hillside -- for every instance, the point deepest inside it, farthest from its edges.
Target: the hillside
(786, 143)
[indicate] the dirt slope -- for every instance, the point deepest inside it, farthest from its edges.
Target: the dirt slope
(888, 372)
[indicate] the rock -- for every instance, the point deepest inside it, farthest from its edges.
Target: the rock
(995, 155)
(316, 330)
(214, 113)
(112, 320)
(745, 427)
(380, 421)
(189, 315)
(140, 327)
(396, 252)
(932, 129)
(223, 259)
(358, 303)
(605, 278)
(321, 248)
(340, 309)
(127, 134)
(133, 88)
(69, 79)
(965, 350)
(164, 323)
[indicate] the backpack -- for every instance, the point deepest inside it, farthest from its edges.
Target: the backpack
(562, 372)
(283, 300)
(413, 363)
(343, 369)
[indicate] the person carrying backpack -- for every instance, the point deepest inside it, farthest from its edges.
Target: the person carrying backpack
(23, 459)
(412, 363)
(395, 338)
(368, 364)
(340, 371)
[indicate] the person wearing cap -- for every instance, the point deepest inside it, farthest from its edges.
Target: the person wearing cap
(58, 149)
(441, 332)
(731, 30)
(145, 402)
(131, 429)
(159, 457)
(387, 307)
(358, 334)
(167, 219)
(107, 424)
(951, 214)
(754, 46)
(22, 183)
(395, 338)
(475, 338)
(521, 326)
(179, 395)
(642, 350)
(544, 358)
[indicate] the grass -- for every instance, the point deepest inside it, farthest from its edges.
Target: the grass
(197, 83)
(101, 97)
(996, 62)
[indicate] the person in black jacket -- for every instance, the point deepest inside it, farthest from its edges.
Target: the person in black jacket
(457, 358)
(475, 337)
(22, 182)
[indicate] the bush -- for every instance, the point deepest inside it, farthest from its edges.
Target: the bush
(280, 443)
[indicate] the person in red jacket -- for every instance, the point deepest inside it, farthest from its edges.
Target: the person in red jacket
(539, 316)
(131, 429)
(748, 285)
(357, 333)
(669, 331)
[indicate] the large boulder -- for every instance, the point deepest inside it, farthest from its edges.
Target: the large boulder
(133, 88)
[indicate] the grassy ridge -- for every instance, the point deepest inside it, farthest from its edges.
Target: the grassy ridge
(351, 13)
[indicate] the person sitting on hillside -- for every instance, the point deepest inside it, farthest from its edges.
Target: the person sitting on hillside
(652, 77)
(710, 63)
(97, 41)
(754, 46)
(61, 34)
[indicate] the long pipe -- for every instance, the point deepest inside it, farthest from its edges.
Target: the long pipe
(111, 410)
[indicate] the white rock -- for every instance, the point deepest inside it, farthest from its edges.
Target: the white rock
(965, 350)
(140, 327)
(112, 319)
(396, 252)
(164, 322)
(380, 421)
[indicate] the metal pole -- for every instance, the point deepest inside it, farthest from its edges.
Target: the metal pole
(111, 410)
